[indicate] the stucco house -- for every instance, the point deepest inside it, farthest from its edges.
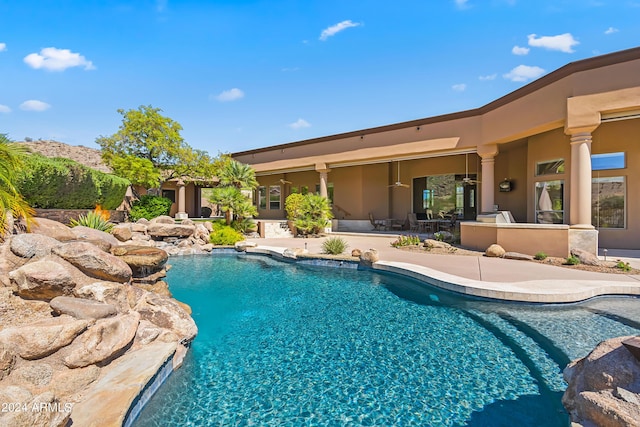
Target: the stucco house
(561, 154)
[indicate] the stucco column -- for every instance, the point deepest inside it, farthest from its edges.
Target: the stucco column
(181, 214)
(488, 182)
(580, 190)
(324, 192)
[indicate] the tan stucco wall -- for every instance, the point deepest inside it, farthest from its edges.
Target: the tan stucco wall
(511, 164)
(614, 137)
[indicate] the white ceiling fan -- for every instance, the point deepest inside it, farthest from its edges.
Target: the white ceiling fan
(467, 180)
(284, 181)
(398, 183)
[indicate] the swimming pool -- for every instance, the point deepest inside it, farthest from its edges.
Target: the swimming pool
(289, 345)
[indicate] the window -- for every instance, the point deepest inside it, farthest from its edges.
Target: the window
(607, 202)
(274, 197)
(550, 167)
(607, 161)
(261, 201)
(169, 194)
(549, 202)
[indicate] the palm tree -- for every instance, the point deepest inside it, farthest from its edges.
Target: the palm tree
(238, 175)
(12, 205)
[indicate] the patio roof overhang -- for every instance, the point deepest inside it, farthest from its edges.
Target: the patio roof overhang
(404, 151)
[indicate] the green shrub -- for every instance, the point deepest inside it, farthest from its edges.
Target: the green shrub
(572, 260)
(334, 246)
(244, 225)
(93, 220)
(225, 236)
(313, 215)
(59, 183)
(540, 256)
(293, 204)
(406, 241)
(149, 207)
(624, 266)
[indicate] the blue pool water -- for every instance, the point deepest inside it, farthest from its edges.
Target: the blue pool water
(288, 345)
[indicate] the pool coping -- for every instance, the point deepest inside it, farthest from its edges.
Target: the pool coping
(547, 291)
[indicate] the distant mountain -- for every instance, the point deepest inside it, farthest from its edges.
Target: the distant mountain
(90, 157)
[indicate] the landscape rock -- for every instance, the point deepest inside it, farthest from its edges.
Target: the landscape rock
(163, 219)
(187, 221)
(35, 374)
(166, 313)
(242, 245)
(124, 232)
(66, 381)
(82, 308)
(603, 387)
(53, 229)
(208, 226)
(201, 232)
(148, 332)
(42, 338)
(94, 262)
(7, 360)
(101, 239)
(140, 226)
(436, 244)
(356, 253)
(292, 253)
(495, 251)
(120, 295)
(369, 256)
(161, 229)
(445, 236)
(518, 256)
(42, 280)
(585, 257)
(143, 260)
(103, 341)
(30, 245)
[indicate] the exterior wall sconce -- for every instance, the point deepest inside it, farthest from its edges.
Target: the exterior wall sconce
(417, 128)
(505, 186)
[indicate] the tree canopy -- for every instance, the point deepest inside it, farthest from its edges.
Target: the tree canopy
(11, 202)
(149, 150)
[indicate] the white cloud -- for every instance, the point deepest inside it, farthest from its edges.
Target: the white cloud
(488, 77)
(460, 87)
(4, 109)
(335, 29)
(563, 42)
(461, 4)
(522, 73)
(34, 105)
(300, 124)
(609, 30)
(230, 95)
(518, 50)
(3, 47)
(54, 59)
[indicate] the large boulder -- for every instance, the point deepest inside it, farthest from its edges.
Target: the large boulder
(101, 239)
(81, 308)
(120, 295)
(369, 256)
(166, 313)
(94, 262)
(30, 245)
(7, 360)
(585, 257)
(143, 260)
(42, 338)
(53, 229)
(163, 219)
(161, 230)
(36, 411)
(495, 251)
(122, 232)
(603, 387)
(103, 341)
(42, 280)
(66, 382)
(436, 244)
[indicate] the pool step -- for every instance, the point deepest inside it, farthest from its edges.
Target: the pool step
(546, 366)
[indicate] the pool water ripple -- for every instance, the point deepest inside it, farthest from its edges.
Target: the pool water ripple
(284, 345)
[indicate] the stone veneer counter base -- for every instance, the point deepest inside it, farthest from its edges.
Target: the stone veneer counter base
(108, 401)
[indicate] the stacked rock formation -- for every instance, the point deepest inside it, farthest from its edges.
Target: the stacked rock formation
(184, 238)
(76, 309)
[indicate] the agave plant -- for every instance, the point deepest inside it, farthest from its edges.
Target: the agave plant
(93, 219)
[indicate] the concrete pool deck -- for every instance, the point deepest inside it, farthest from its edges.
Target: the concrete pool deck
(497, 278)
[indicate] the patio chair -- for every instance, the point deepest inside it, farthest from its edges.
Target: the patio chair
(413, 222)
(449, 225)
(376, 223)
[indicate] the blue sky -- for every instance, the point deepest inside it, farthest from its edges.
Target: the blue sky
(242, 74)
